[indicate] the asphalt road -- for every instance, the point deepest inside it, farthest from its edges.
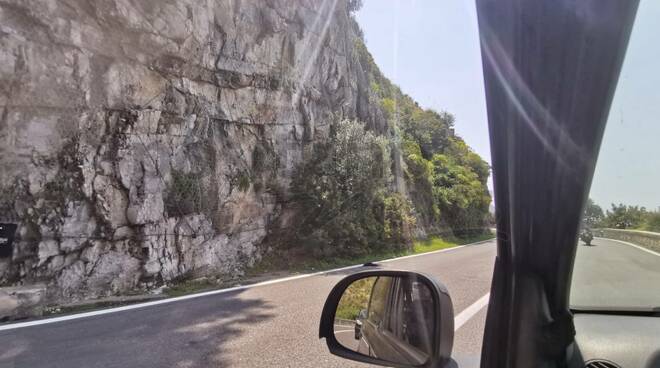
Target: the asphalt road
(346, 336)
(263, 326)
(611, 275)
(277, 325)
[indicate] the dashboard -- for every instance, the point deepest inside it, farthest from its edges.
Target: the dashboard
(611, 341)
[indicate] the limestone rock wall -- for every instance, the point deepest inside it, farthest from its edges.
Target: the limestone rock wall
(145, 140)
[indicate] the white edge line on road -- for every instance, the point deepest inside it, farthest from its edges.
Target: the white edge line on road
(100, 312)
(631, 244)
(470, 311)
(435, 251)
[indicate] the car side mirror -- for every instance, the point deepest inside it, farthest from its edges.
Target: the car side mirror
(390, 318)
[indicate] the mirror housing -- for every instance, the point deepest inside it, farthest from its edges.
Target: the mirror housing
(442, 331)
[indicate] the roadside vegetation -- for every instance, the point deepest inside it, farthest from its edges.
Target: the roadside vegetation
(278, 267)
(345, 203)
(430, 244)
(363, 194)
(621, 216)
(347, 197)
(192, 286)
(355, 298)
(445, 178)
(434, 243)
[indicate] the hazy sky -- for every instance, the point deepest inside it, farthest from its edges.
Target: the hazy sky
(430, 48)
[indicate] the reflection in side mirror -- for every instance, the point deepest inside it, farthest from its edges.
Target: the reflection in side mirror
(389, 318)
(399, 319)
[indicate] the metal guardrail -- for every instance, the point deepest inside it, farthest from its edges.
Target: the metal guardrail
(646, 239)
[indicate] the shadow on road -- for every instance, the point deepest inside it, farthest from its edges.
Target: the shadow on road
(205, 338)
(191, 333)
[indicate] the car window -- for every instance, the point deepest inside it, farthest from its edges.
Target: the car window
(617, 264)
(393, 318)
(157, 149)
(418, 311)
(411, 311)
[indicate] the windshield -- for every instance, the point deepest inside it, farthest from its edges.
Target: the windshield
(617, 266)
(183, 182)
(173, 174)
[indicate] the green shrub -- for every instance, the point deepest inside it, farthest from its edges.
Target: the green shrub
(342, 190)
(652, 222)
(241, 181)
(398, 220)
(184, 194)
(446, 180)
(625, 217)
(355, 298)
(460, 194)
(389, 107)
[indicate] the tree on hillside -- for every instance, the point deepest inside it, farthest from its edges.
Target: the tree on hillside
(346, 206)
(652, 222)
(461, 197)
(429, 128)
(592, 214)
(625, 217)
(446, 180)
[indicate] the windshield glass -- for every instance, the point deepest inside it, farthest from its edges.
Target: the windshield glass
(617, 266)
(183, 182)
(182, 170)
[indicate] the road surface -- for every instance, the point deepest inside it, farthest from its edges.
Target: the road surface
(611, 274)
(276, 325)
(263, 326)
(346, 336)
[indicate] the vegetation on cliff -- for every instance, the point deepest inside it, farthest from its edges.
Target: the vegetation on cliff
(345, 204)
(349, 201)
(446, 179)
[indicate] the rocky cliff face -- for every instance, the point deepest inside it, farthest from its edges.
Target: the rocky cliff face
(141, 141)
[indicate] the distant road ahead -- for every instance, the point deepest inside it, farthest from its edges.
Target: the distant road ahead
(616, 275)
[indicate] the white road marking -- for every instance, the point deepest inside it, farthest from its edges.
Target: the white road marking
(100, 312)
(631, 244)
(433, 252)
(164, 301)
(470, 312)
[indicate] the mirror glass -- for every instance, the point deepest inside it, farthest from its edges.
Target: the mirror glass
(389, 318)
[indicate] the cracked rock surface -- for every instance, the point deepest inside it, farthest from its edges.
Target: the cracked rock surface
(143, 141)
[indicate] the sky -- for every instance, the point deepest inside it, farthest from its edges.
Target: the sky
(430, 48)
